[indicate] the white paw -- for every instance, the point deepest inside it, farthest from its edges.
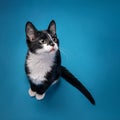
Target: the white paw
(40, 97)
(31, 93)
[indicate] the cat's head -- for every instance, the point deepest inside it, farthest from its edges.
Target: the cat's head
(45, 41)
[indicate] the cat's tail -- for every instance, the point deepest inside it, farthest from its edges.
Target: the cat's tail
(69, 77)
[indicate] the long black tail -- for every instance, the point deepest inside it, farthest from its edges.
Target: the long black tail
(76, 83)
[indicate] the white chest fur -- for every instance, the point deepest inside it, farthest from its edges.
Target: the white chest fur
(39, 65)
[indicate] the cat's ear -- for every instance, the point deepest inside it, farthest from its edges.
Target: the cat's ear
(30, 31)
(52, 27)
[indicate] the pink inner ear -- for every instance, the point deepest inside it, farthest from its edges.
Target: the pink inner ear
(31, 37)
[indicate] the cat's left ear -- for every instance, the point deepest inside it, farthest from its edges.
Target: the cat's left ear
(30, 31)
(52, 28)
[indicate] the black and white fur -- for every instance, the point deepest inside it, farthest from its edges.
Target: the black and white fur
(43, 62)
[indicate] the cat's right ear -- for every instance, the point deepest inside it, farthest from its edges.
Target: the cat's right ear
(30, 31)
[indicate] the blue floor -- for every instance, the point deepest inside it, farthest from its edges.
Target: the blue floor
(89, 33)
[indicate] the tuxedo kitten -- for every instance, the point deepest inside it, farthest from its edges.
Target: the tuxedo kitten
(43, 62)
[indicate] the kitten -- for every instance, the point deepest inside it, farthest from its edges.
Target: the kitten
(43, 62)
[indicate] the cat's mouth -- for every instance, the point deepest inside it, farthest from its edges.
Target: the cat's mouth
(52, 49)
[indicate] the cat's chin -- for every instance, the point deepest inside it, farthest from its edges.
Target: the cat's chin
(52, 50)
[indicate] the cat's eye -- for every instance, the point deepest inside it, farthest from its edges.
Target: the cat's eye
(42, 41)
(55, 40)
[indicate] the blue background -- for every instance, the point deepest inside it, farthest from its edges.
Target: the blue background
(89, 33)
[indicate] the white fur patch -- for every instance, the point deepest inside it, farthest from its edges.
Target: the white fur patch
(40, 97)
(47, 47)
(31, 93)
(39, 65)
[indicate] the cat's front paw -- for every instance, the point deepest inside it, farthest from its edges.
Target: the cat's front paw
(31, 93)
(40, 97)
